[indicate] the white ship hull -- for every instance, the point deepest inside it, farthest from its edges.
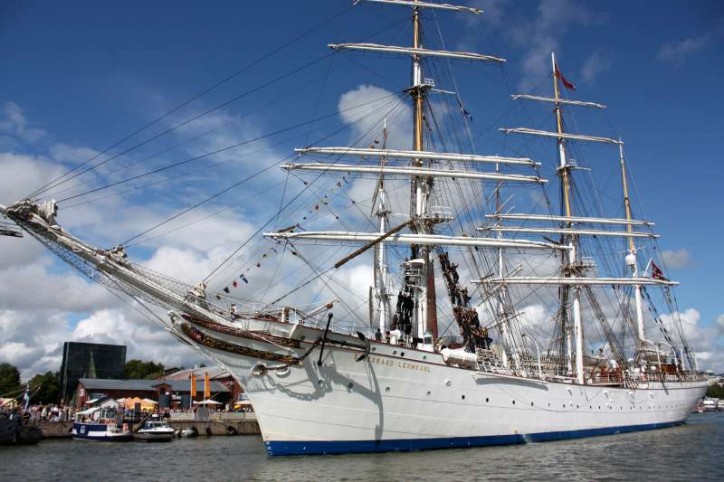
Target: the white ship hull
(398, 399)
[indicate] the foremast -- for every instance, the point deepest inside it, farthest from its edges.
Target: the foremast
(417, 296)
(422, 289)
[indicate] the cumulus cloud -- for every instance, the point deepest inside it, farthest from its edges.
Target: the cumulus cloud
(675, 259)
(367, 107)
(707, 340)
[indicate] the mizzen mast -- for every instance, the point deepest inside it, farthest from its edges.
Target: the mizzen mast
(631, 261)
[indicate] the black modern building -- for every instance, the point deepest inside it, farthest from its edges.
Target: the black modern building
(89, 360)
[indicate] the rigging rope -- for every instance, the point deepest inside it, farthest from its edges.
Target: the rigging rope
(59, 180)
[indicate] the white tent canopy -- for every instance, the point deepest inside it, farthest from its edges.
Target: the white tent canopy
(89, 411)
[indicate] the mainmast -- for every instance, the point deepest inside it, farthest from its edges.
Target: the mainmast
(570, 240)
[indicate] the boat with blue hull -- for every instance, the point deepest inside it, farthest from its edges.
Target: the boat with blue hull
(101, 431)
(101, 424)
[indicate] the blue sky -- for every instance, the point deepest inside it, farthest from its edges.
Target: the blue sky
(78, 76)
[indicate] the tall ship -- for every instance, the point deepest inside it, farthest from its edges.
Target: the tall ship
(499, 307)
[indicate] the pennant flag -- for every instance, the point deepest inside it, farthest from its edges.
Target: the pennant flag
(235, 284)
(243, 278)
(26, 397)
(566, 83)
(193, 386)
(226, 290)
(656, 272)
(207, 385)
(464, 110)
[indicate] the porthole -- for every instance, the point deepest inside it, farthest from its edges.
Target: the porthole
(463, 397)
(513, 402)
(531, 404)
(350, 385)
(402, 353)
(394, 352)
(429, 393)
(487, 400)
(387, 389)
(320, 382)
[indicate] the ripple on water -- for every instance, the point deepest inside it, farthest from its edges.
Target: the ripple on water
(689, 453)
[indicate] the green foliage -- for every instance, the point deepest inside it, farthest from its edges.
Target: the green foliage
(9, 380)
(45, 388)
(138, 369)
(715, 391)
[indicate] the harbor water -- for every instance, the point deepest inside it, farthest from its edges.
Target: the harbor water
(694, 452)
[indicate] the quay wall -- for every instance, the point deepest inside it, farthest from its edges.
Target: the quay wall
(220, 423)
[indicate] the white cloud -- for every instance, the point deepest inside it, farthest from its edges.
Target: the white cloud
(542, 35)
(679, 258)
(23, 174)
(676, 53)
(366, 109)
(597, 63)
(14, 124)
(706, 340)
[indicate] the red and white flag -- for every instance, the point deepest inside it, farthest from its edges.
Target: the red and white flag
(656, 272)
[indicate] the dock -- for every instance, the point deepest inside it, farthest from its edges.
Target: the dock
(220, 423)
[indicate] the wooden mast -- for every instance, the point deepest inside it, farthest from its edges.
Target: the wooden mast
(425, 300)
(564, 172)
(631, 261)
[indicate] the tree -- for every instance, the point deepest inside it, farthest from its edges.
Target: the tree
(9, 380)
(138, 369)
(715, 391)
(45, 388)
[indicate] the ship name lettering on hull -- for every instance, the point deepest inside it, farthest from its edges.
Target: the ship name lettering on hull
(399, 364)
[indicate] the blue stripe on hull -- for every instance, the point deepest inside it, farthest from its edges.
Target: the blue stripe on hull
(91, 431)
(404, 445)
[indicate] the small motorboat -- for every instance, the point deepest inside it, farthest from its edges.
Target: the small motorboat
(188, 432)
(155, 430)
